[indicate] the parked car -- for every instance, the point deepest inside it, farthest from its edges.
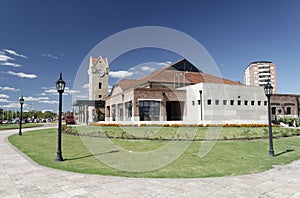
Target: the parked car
(70, 119)
(15, 121)
(6, 122)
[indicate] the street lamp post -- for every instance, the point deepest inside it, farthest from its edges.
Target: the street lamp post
(60, 86)
(268, 91)
(21, 100)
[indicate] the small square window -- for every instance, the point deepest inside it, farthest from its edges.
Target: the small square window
(258, 103)
(100, 96)
(246, 102)
(231, 102)
(100, 85)
(252, 102)
(209, 102)
(239, 102)
(217, 102)
(265, 103)
(224, 102)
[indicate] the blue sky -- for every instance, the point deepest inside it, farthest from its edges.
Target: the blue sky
(40, 39)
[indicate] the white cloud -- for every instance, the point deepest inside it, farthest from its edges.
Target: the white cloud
(80, 97)
(109, 88)
(120, 74)
(147, 68)
(9, 89)
(42, 94)
(85, 86)
(12, 105)
(4, 100)
(71, 91)
(10, 64)
(50, 56)
(3, 57)
(30, 98)
(22, 75)
(4, 96)
(48, 101)
(51, 91)
(44, 100)
(14, 53)
(164, 63)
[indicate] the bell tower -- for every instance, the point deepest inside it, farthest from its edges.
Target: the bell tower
(98, 78)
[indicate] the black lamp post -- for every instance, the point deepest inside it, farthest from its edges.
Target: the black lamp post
(60, 86)
(268, 91)
(21, 100)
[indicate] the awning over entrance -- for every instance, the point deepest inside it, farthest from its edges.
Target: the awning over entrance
(86, 109)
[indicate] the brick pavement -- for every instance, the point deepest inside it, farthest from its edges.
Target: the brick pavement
(20, 177)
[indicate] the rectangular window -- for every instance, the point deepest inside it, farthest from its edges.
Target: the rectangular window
(273, 110)
(100, 85)
(252, 102)
(288, 110)
(217, 102)
(231, 102)
(113, 112)
(209, 102)
(224, 102)
(120, 108)
(100, 96)
(239, 102)
(246, 102)
(149, 110)
(258, 103)
(122, 97)
(128, 106)
(265, 103)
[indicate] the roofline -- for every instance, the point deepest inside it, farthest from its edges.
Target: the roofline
(283, 94)
(256, 62)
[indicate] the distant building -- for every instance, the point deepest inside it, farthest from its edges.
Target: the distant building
(285, 105)
(92, 110)
(258, 73)
(180, 93)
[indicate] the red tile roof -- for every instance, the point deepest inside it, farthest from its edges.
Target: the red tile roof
(167, 75)
(94, 60)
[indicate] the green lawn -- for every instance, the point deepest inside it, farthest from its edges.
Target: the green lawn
(16, 126)
(226, 157)
(184, 133)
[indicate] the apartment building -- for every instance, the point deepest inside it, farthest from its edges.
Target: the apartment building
(258, 73)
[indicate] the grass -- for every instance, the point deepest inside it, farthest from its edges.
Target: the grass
(16, 126)
(181, 133)
(226, 158)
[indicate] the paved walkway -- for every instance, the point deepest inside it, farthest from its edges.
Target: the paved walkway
(20, 177)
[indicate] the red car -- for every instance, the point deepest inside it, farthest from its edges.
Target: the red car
(70, 119)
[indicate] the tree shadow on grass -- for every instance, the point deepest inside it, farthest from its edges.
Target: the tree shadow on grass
(91, 155)
(283, 152)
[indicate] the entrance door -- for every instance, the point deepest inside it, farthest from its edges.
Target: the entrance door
(174, 110)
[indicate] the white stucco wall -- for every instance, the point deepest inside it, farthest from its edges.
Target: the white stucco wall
(225, 113)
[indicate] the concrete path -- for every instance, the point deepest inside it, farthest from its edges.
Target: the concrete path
(20, 177)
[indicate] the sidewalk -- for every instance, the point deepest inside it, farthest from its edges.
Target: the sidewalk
(20, 177)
